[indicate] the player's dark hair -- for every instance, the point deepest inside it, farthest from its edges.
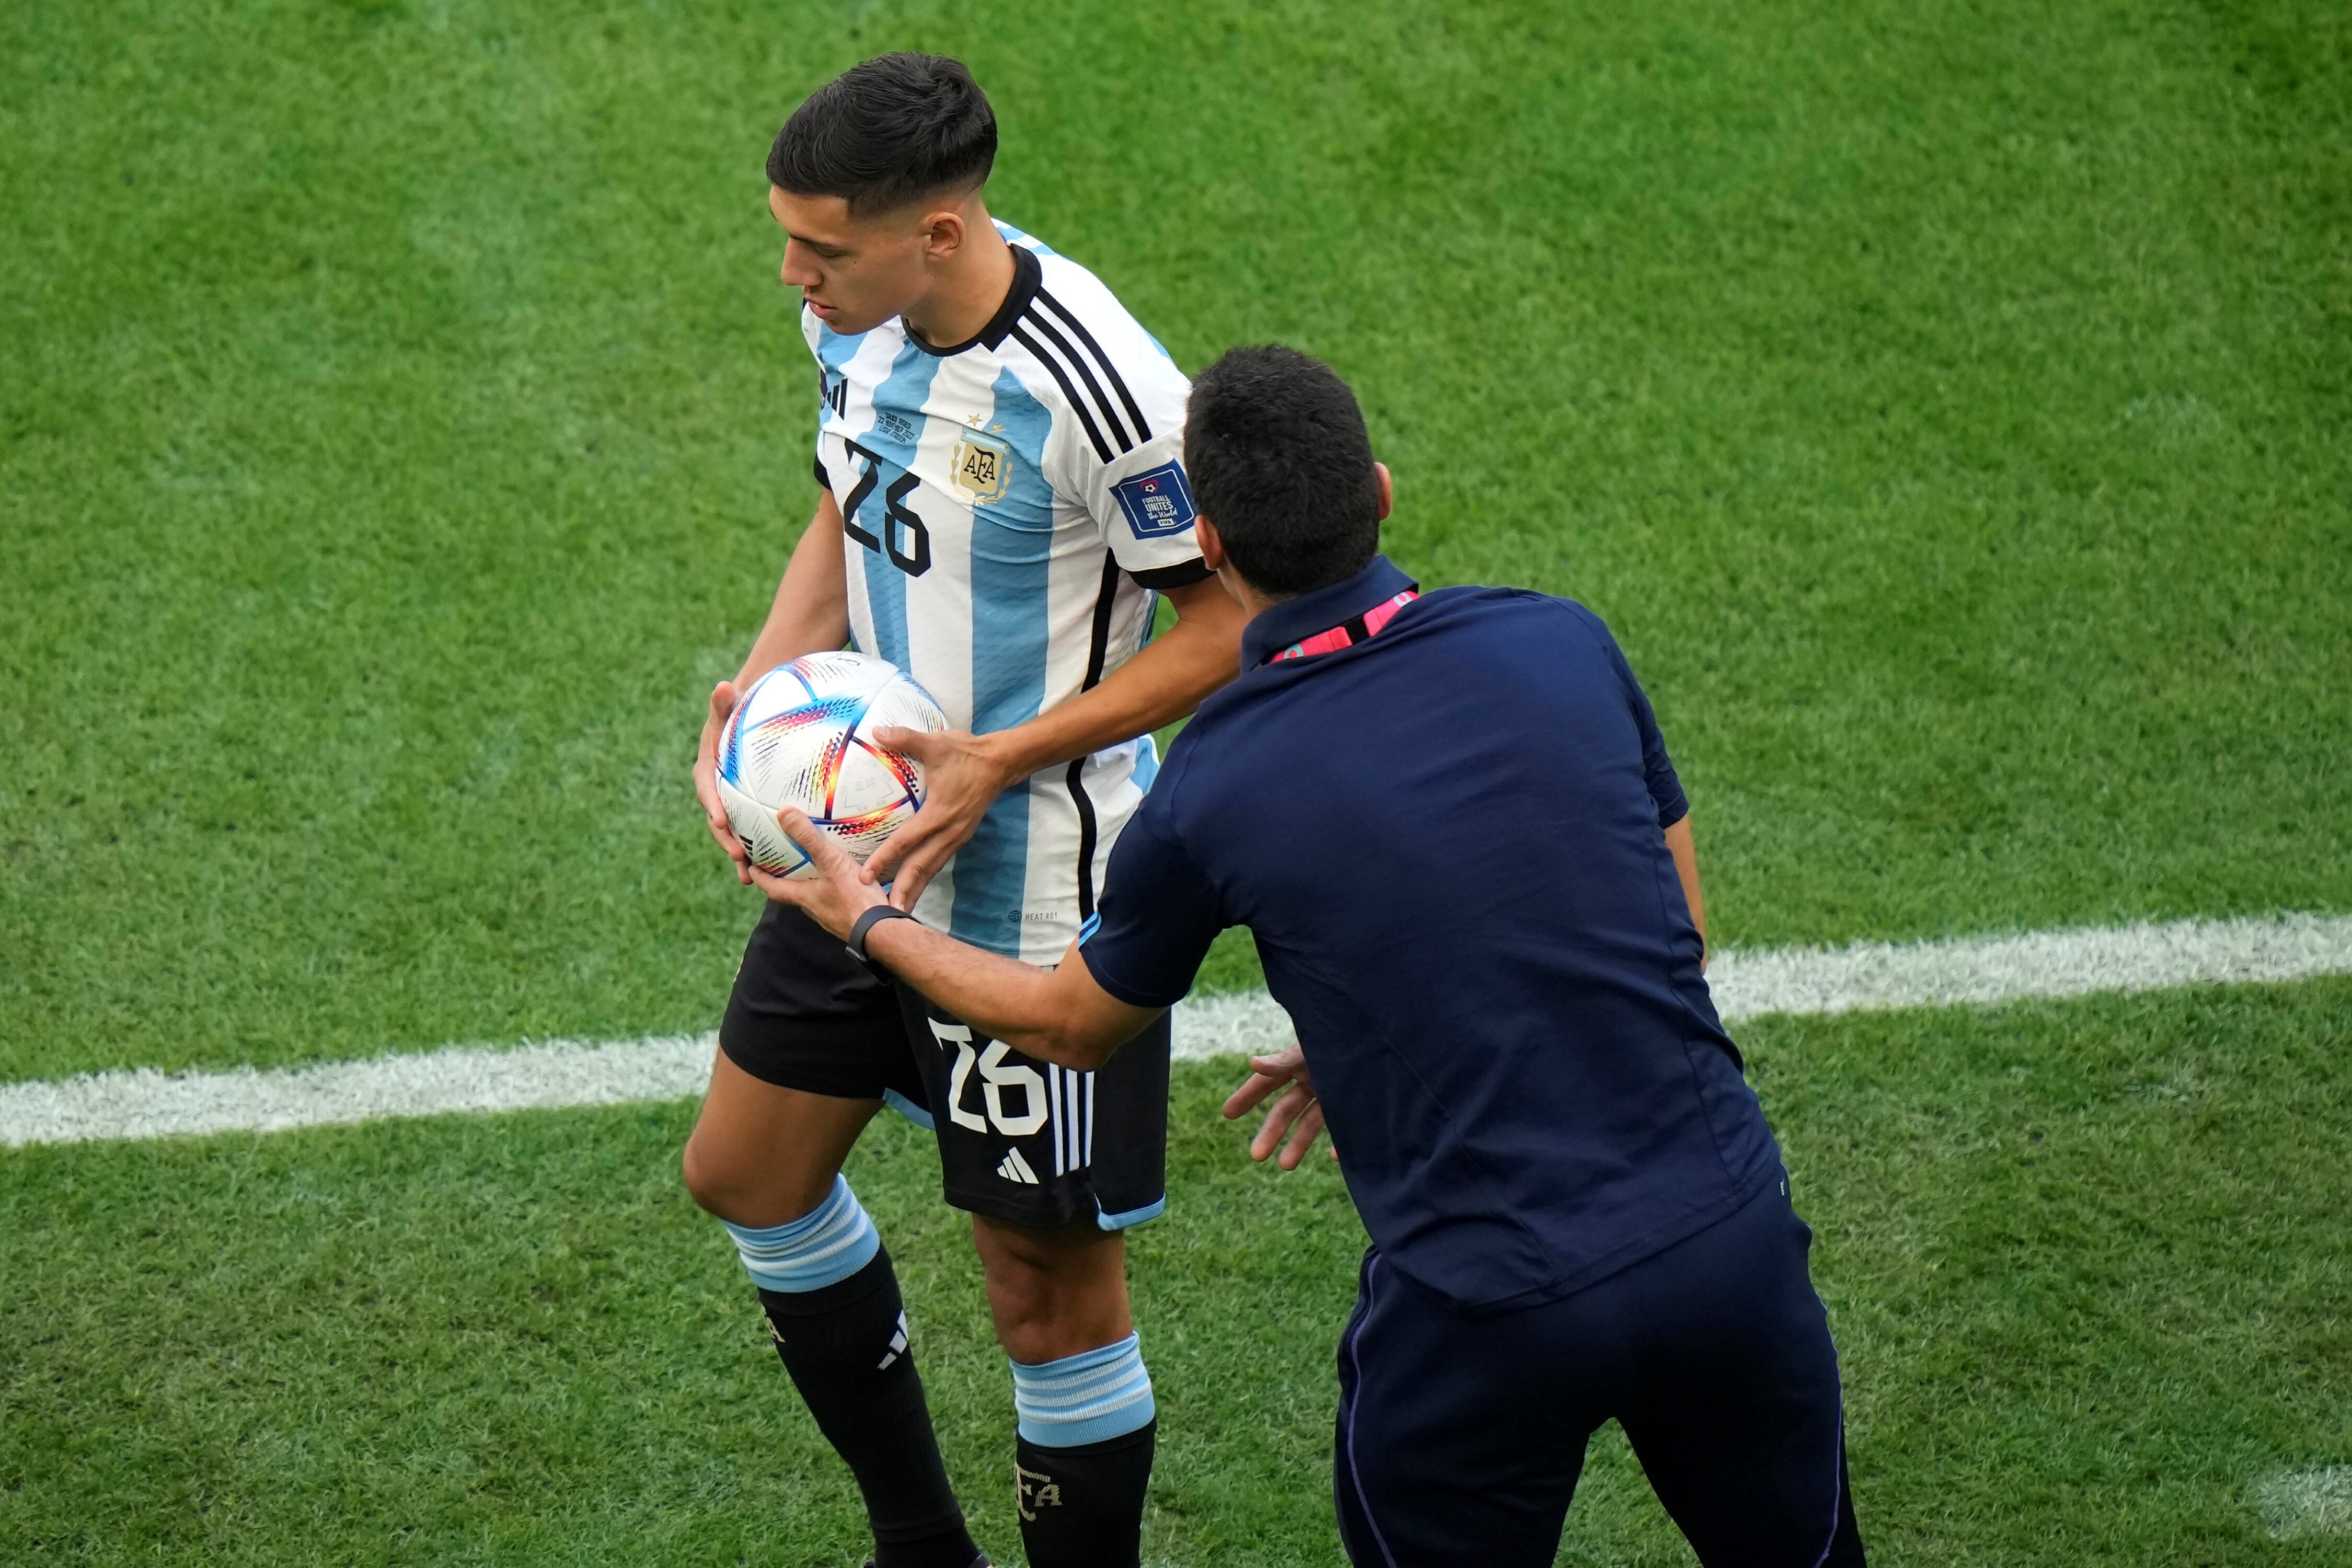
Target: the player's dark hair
(1281, 463)
(888, 132)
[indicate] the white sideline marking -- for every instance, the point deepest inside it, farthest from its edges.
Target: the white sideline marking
(2307, 1502)
(145, 1103)
(1875, 976)
(2145, 957)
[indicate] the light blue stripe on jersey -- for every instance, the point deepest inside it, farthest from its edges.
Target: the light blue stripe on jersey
(1012, 566)
(1016, 236)
(1147, 750)
(834, 352)
(902, 392)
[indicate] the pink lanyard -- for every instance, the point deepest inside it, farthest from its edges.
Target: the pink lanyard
(1349, 632)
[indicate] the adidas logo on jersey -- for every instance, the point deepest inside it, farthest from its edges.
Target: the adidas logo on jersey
(1016, 1169)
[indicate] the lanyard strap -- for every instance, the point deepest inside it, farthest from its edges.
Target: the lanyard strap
(1349, 632)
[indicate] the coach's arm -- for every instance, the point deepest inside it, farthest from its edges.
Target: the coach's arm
(1055, 1015)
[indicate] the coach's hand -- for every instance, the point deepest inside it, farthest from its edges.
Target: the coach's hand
(835, 896)
(963, 775)
(1298, 1113)
(706, 780)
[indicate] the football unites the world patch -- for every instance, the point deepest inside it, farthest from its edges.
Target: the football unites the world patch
(1155, 503)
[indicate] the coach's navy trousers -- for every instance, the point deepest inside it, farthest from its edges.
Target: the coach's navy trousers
(1460, 1437)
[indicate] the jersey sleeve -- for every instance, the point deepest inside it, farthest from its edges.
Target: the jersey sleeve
(1122, 455)
(1159, 913)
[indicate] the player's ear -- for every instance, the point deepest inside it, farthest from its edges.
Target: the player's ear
(1388, 489)
(1212, 549)
(944, 233)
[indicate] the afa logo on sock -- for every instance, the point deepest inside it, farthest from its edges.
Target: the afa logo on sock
(1034, 1490)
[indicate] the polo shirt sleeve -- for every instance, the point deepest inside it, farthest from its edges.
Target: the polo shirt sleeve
(1665, 785)
(1657, 768)
(1158, 916)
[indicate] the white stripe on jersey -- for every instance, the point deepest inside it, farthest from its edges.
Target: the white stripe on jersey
(990, 557)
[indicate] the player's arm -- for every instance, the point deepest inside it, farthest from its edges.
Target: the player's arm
(1685, 850)
(1055, 1015)
(963, 773)
(1665, 786)
(810, 613)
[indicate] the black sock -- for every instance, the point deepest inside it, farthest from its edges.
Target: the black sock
(845, 1347)
(1083, 1506)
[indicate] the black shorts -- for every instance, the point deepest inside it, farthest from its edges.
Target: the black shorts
(1019, 1140)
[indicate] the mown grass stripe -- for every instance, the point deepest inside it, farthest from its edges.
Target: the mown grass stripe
(145, 1103)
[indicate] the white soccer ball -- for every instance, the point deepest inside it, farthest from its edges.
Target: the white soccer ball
(803, 736)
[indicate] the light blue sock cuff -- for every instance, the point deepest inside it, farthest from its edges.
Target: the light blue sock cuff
(822, 1248)
(1084, 1398)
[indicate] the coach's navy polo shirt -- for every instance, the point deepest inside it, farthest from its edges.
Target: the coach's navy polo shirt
(1447, 840)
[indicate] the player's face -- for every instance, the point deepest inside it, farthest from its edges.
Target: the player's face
(856, 273)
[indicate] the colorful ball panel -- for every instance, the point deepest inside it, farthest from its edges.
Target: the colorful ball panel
(803, 736)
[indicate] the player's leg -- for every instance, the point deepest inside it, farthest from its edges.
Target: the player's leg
(1052, 1165)
(1736, 1411)
(1458, 1439)
(1085, 1421)
(810, 1046)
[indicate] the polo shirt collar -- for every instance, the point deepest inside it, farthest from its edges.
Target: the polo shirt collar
(1294, 620)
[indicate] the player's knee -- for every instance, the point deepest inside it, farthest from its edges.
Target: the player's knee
(1052, 1293)
(1024, 1309)
(706, 1178)
(725, 1184)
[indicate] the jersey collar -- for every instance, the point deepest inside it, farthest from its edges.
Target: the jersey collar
(1319, 610)
(1026, 274)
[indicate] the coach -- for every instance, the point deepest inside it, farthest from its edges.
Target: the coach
(1449, 821)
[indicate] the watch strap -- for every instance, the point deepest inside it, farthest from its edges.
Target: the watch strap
(867, 923)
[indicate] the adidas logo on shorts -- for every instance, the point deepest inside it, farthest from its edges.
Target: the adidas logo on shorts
(1016, 1169)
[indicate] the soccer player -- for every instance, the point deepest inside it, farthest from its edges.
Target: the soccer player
(1451, 824)
(1002, 504)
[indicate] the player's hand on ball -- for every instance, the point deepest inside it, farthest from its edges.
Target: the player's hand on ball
(1297, 1112)
(961, 778)
(835, 896)
(705, 779)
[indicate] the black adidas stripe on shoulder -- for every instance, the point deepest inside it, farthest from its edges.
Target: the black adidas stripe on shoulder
(1126, 398)
(1098, 405)
(1069, 392)
(1079, 363)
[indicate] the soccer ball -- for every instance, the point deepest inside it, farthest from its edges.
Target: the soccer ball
(803, 736)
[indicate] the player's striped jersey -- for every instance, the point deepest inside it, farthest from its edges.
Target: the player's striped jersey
(1009, 505)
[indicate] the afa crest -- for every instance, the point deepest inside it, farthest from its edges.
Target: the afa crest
(982, 468)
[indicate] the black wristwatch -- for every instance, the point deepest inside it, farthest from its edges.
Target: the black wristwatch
(867, 923)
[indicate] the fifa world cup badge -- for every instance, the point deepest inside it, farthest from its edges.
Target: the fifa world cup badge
(983, 464)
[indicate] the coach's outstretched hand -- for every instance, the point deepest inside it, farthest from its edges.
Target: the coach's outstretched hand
(963, 776)
(705, 779)
(1298, 1113)
(835, 896)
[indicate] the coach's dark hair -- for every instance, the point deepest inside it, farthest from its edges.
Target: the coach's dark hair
(1281, 463)
(888, 132)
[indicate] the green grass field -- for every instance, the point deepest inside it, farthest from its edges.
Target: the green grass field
(2085, 1262)
(401, 426)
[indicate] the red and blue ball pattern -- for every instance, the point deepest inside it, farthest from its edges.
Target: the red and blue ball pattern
(803, 736)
